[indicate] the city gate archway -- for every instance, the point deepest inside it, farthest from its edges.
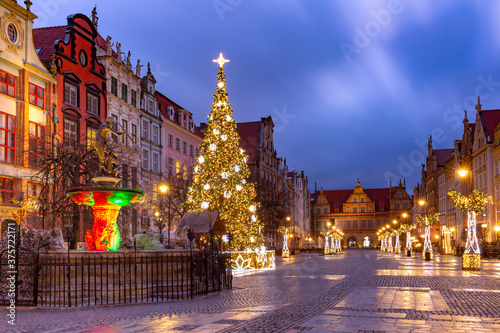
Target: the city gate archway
(352, 242)
(367, 242)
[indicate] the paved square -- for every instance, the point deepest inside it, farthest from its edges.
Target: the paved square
(358, 291)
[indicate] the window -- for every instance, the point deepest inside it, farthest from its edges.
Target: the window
(170, 166)
(7, 137)
(133, 98)
(355, 210)
(191, 148)
(155, 162)
(362, 209)
(348, 223)
(114, 86)
(125, 128)
(355, 223)
(355, 200)
(6, 190)
(177, 144)
(184, 147)
(124, 92)
(145, 159)
(197, 151)
(362, 200)
(70, 95)
(33, 218)
(325, 210)
(145, 130)
(363, 223)
(318, 210)
(12, 33)
(7, 84)
(150, 105)
(155, 135)
(91, 137)
(370, 223)
(184, 172)
(70, 132)
(36, 145)
(497, 192)
(37, 95)
(318, 224)
(378, 223)
(396, 206)
(405, 205)
(134, 133)
(170, 140)
(92, 104)
(177, 168)
(115, 127)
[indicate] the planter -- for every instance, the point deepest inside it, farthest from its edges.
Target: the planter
(427, 255)
(471, 261)
(409, 253)
(397, 251)
(285, 254)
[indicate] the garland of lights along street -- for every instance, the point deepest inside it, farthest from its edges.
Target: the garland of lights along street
(220, 173)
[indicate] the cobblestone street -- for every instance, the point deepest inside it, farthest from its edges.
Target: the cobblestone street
(361, 290)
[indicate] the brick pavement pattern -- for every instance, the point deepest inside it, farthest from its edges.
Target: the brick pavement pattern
(358, 291)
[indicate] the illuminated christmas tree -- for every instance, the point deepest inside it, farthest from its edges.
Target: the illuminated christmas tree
(219, 182)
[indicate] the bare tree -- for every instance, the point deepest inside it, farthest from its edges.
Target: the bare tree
(62, 166)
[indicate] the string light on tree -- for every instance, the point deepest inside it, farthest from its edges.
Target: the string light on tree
(222, 163)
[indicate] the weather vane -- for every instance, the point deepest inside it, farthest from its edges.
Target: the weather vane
(221, 60)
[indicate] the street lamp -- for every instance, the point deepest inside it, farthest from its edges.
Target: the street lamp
(163, 190)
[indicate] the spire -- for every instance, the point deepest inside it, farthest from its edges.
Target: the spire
(149, 68)
(478, 105)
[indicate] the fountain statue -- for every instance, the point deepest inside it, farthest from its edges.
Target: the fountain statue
(105, 199)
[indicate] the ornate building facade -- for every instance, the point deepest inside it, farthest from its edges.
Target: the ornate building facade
(359, 212)
(27, 102)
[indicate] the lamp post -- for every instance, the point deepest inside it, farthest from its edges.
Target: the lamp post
(163, 190)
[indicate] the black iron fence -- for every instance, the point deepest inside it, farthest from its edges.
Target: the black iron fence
(91, 280)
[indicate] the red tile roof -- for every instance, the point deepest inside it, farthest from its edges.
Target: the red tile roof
(379, 195)
(45, 39)
(443, 155)
(250, 138)
(490, 120)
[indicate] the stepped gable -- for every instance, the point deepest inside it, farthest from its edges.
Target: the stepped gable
(249, 138)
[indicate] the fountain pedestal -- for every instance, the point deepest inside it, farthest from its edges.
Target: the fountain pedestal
(106, 203)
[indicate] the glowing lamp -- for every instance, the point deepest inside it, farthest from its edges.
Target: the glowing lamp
(462, 172)
(497, 228)
(405, 215)
(163, 188)
(452, 229)
(484, 225)
(421, 202)
(394, 221)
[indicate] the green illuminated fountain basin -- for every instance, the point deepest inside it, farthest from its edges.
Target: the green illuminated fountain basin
(106, 203)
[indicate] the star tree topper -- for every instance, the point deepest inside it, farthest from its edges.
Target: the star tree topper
(221, 60)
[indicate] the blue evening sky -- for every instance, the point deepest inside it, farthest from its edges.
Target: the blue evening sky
(355, 88)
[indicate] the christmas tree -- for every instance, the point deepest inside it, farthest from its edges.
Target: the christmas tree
(219, 182)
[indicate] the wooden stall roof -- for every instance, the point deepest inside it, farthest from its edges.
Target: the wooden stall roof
(201, 223)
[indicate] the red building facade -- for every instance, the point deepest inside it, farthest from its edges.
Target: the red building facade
(70, 52)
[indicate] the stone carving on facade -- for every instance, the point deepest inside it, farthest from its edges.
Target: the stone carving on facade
(119, 52)
(109, 45)
(138, 68)
(94, 16)
(53, 66)
(129, 64)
